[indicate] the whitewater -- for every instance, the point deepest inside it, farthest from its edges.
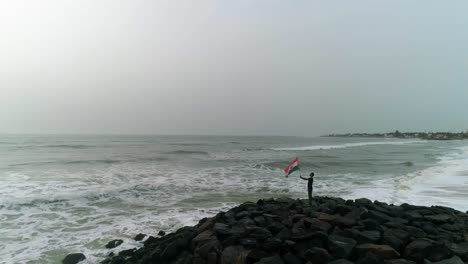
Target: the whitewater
(65, 194)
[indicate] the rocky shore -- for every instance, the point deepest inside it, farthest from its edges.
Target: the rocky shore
(335, 231)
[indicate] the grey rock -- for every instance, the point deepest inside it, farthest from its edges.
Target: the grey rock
(421, 249)
(271, 260)
(384, 251)
(233, 254)
(139, 237)
(114, 243)
(73, 258)
(399, 261)
(317, 255)
(340, 247)
(452, 260)
(340, 261)
(368, 237)
(289, 258)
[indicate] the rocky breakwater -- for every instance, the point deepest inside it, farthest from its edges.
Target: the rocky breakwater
(335, 231)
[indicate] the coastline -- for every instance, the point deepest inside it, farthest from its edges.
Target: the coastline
(336, 231)
(407, 135)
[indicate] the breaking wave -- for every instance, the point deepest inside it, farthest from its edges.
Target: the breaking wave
(350, 145)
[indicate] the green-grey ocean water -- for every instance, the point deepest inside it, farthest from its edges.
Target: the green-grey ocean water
(63, 194)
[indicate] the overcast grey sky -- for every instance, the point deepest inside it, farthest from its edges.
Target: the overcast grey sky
(264, 67)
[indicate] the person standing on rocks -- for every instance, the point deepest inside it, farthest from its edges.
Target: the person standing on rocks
(310, 182)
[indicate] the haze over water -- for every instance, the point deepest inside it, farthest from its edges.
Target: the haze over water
(61, 194)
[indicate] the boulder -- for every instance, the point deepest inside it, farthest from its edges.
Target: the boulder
(249, 242)
(204, 236)
(271, 260)
(222, 229)
(399, 261)
(256, 255)
(272, 244)
(452, 260)
(367, 237)
(440, 218)
(370, 258)
(317, 255)
(260, 233)
(385, 251)
(139, 237)
(379, 216)
(114, 243)
(460, 250)
(73, 258)
(289, 258)
(326, 217)
(205, 224)
(203, 250)
(340, 261)
(161, 233)
(421, 249)
(233, 255)
(340, 247)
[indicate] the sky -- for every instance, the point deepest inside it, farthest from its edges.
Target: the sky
(244, 67)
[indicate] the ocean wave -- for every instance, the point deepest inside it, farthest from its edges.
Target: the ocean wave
(186, 152)
(444, 183)
(56, 146)
(189, 144)
(96, 161)
(350, 145)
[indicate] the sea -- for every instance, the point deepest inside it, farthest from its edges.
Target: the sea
(62, 194)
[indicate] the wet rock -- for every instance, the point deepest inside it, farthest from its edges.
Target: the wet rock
(114, 243)
(421, 249)
(290, 258)
(249, 242)
(452, 260)
(256, 255)
(127, 253)
(272, 244)
(73, 258)
(367, 237)
(460, 250)
(271, 260)
(139, 237)
(208, 247)
(363, 202)
(260, 233)
(341, 247)
(399, 261)
(340, 261)
(370, 258)
(384, 251)
(317, 255)
(205, 224)
(233, 254)
(379, 216)
(222, 229)
(161, 233)
(440, 218)
(284, 234)
(204, 236)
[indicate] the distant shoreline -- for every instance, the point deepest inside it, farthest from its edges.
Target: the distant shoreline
(397, 134)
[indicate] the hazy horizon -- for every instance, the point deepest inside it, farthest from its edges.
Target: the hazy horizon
(232, 68)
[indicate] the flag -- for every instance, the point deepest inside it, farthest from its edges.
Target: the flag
(292, 167)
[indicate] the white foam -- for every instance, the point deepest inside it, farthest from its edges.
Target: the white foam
(350, 145)
(444, 184)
